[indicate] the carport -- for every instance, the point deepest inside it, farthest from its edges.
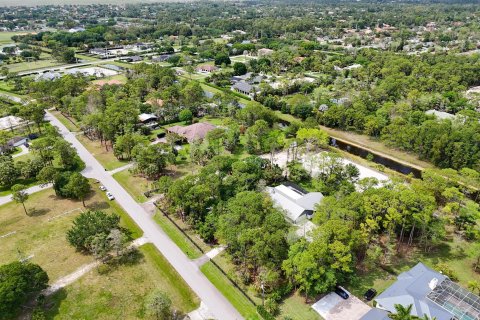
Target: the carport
(333, 307)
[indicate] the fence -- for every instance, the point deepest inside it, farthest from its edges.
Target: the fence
(202, 251)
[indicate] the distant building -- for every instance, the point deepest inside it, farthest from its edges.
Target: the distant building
(196, 131)
(47, 76)
(244, 88)
(162, 58)
(430, 293)
(264, 52)
(102, 52)
(440, 114)
(297, 203)
(76, 29)
(132, 59)
(206, 68)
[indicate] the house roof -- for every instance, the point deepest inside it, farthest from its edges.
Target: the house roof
(440, 114)
(375, 314)
(294, 200)
(412, 288)
(155, 102)
(243, 86)
(193, 132)
(111, 82)
(48, 76)
(146, 117)
(207, 67)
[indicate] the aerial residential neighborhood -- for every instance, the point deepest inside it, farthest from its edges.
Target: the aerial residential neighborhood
(284, 159)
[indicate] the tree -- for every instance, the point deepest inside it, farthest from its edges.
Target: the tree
(90, 224)
(159, 306)
(19, 282)
(313, 137)
(33, 112)
(186, 116)
(239, 69)
(222, 58)
(78, 187)
(8, 171)
(153, 159)
(66, 154)
(20, 195)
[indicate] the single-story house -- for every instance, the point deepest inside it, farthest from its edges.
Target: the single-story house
(297, 203)
(244, 88)
(76, 29)
(146, 118)
(102, 52)
(206, 68)
(430, 293)
(48, 76)
(132, 59)
(196, 131)
(440, 114)
(162, 58)
(264, 52)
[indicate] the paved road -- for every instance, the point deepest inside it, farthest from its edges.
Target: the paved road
(215, 301)
(8, 198)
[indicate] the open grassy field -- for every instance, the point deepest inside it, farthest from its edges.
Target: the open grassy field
(105, 157)
(6, 36)
(236, 298)
(134, 185)
(41, 234)
(33, 65)
(119, 293)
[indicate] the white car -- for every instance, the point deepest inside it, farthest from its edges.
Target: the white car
(110, 196)
(103, 188)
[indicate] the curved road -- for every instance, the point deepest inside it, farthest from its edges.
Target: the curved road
(205, 290)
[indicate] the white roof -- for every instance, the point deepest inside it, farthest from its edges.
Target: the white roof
(440, 114)
(146, 116)
(9, 122)
(293, 201)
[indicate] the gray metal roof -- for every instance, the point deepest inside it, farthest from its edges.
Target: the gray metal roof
(412, 288)
(243, 86)
(375, 314)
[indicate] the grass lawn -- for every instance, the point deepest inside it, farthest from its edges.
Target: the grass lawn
(6, 36)
(120, 77)
(70, 123)
(120, 292)
(236, 298)
(180, 240)
(296, 308)
(134, 185)
(106, 158)
(41, 235)
(27, 66)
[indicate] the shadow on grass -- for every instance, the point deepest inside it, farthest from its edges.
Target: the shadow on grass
(98, 205)
(34, 212)
(131, 257)
(52, 303)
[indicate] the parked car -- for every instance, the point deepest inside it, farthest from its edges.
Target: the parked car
(103, 188)
(341, 292)
(110, 196)
(370, 294)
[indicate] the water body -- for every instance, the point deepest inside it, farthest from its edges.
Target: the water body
(387, 162)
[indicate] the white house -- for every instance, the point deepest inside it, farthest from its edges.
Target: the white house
(297, 203)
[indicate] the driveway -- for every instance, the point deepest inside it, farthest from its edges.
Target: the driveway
(188, 270)
(333, 307)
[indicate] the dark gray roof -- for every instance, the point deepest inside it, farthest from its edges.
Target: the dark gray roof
(243, 86)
